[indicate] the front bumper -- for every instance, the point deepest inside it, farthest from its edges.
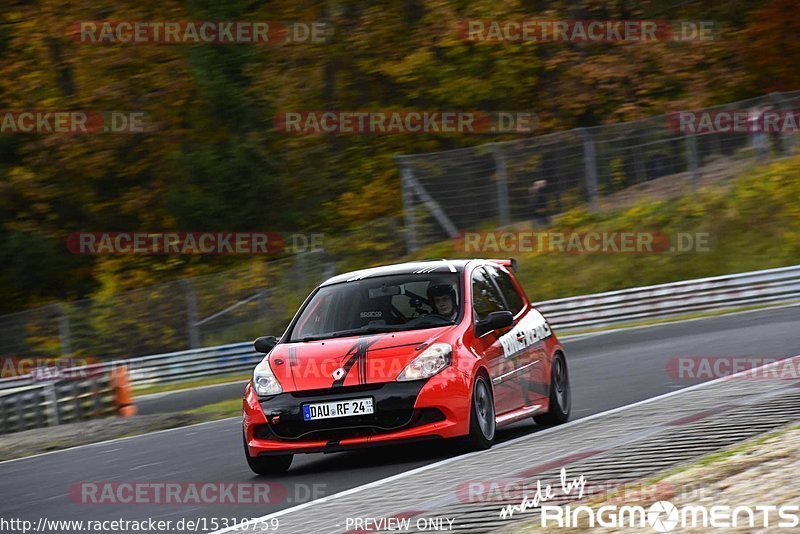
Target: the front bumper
(403, 411)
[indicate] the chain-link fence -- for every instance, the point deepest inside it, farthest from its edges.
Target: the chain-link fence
(445, 193)
(209, 310)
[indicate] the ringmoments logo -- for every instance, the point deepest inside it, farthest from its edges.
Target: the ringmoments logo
(663, 516)
(660, 516)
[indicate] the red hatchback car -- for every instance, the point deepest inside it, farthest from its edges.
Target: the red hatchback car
(414, 351)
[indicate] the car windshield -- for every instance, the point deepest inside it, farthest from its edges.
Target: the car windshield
(380, 304)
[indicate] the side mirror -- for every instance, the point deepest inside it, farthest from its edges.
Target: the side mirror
(265, 344)
(496, 320)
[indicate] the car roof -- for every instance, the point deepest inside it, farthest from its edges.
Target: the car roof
(411, 267)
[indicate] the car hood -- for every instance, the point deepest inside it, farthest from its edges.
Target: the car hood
(349, 361)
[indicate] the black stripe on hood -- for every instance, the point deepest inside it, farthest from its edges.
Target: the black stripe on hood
(357, 354)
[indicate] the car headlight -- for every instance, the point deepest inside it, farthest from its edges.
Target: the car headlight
(431, 361)
(264, 381)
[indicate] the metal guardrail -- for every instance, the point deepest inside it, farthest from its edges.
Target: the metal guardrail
(169, 367)
(773, 286)
(191, 364)
(53, 403)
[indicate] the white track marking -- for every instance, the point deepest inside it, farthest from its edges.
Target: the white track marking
(668, 322)
(533, 435)
(116, 440)
(149, 396)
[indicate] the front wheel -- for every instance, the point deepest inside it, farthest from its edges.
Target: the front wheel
(482, 423)
(268, 465)
(560, 397)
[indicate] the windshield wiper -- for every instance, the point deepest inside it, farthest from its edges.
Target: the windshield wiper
(353, 332)
(428, 325)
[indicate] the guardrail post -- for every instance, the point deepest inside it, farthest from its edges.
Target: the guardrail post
(76, 400)
(64, 333)
(330, 269)
(52, 400)
(97, 405)
(785, 139)
(39, 415)
(20, 411)
(408, 210)
(691, 155)
(299, 271)
(590, 167)
(263, 307)
(502, 184)
(191, 314)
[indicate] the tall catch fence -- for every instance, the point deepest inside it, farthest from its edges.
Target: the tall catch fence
(185, 314)
(608, 166)
(444, 193)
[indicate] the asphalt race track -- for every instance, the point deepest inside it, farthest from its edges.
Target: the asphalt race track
(191, 398)
(607, 371)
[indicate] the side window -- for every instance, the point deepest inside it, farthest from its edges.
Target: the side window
(507, 288)
(485, 298)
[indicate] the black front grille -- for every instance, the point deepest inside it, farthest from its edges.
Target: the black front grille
(327, 391)
(419, 417)
(393, 404)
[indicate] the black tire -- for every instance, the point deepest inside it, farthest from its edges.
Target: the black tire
(268, 465)
(560, 396)
(482, 423)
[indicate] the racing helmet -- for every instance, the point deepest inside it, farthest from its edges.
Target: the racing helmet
(438, 290)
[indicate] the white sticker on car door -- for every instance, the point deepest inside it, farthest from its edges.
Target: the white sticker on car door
(530, 330)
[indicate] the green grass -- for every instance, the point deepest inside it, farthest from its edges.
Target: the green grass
(747, 446)
(720, 456)
(189, 384)
(219, 410)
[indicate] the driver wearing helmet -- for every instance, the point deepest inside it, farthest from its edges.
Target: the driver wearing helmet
(442, 298)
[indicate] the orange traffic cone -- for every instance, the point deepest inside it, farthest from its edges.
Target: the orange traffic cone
(122, 391)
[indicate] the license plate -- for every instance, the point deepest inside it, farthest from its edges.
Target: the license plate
(345, 408)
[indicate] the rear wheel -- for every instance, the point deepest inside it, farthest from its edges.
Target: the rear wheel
(560, 397)
(482, 424)
(268, 465)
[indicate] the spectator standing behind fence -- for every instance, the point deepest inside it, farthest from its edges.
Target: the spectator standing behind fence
(759, 138)
(537, 198)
